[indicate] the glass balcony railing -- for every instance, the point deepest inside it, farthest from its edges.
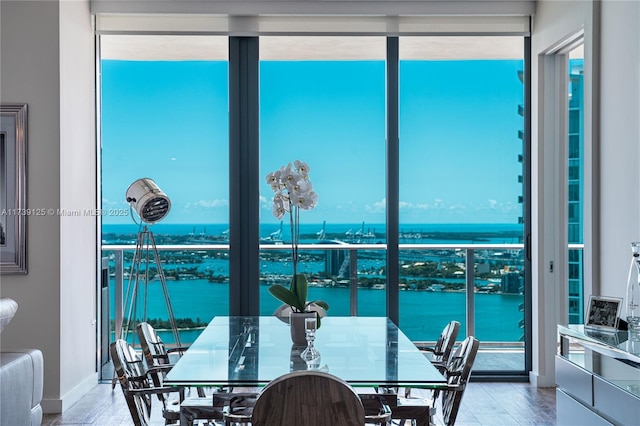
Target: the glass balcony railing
(481, 286)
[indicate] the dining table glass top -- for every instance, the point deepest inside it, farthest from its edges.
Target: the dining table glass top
(252, 351)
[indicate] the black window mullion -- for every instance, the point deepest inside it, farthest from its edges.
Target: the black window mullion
(526, 213)
(244, 218)
(393, 182)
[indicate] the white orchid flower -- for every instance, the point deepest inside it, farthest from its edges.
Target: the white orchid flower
(292, 188)
(273, 182)
(280, 205)
(305, 200)
(303, 168)
(277, 211)
(281, 199)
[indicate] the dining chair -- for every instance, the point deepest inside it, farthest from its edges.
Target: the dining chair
(438, 355)
(157, 354)
(458, 370)
(441, 351)
(138, 388)
(137, 385)
(310, 398)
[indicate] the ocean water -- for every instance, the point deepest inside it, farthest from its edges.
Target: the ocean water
(490, 233)
(423, 314)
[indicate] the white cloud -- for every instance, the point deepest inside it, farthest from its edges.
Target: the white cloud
(114, 204)
(377, 207)
(208, 204)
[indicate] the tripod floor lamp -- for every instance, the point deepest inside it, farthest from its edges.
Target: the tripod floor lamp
(151, 205)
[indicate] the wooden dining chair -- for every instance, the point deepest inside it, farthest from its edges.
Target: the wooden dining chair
(458, 370)
(310, 398)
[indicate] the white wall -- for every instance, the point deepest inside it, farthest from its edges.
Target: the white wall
(57, 296)
(612, 151)
(620, 141)
(78, 183)
(553, 23)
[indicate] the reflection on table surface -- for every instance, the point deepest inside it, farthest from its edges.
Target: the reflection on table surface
(252, 351)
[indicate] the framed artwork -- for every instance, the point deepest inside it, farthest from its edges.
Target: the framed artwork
(603, 313)
(13, 181)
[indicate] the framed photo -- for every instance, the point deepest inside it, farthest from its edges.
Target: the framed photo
(603, 313)
(13, 181)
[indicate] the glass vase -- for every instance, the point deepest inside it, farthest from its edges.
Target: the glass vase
(633, 288)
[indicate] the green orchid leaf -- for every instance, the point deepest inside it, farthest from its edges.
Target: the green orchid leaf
(286, 296)
(324, 305)
(301, 286)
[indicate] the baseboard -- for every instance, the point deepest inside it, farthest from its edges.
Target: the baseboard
(51, 406)
(542, 381)
(54, 406)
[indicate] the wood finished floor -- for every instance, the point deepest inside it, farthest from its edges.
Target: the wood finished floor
(483, 404)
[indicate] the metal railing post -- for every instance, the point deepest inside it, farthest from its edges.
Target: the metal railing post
(470, 290)
(353, 282)
(119, 280)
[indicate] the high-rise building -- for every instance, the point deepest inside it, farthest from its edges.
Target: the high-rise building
(512, 283)
(575, 189)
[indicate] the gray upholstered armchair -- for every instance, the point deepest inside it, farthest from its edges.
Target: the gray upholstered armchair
(21, 378)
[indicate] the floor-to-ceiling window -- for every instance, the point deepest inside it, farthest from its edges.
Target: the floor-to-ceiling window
(164, 116)
(322, 100)
(461, 191)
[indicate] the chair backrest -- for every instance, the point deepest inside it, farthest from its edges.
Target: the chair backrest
(446, 341)
(458, 371)
(131, 373)
(310, 398)
(155, 353)
(153, 348)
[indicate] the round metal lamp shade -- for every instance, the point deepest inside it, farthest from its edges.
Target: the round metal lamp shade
(148, 200)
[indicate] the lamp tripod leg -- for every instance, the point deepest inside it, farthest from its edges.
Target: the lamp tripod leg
(144, 244)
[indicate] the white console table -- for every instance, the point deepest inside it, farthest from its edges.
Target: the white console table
(597, 377)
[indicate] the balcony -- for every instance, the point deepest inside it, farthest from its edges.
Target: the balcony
(480, 285)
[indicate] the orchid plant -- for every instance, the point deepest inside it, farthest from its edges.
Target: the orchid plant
(293, 192)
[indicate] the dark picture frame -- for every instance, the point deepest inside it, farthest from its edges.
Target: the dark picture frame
(13, 182)
(603, 313)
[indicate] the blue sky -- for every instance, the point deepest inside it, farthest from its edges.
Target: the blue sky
(458, 137)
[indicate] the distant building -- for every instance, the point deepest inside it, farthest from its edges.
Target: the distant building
(576, 189)
(521, 137)
(483, 268)
(512, 283)
(336, 263)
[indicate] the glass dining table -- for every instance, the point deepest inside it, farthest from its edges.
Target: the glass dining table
(252, 351)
